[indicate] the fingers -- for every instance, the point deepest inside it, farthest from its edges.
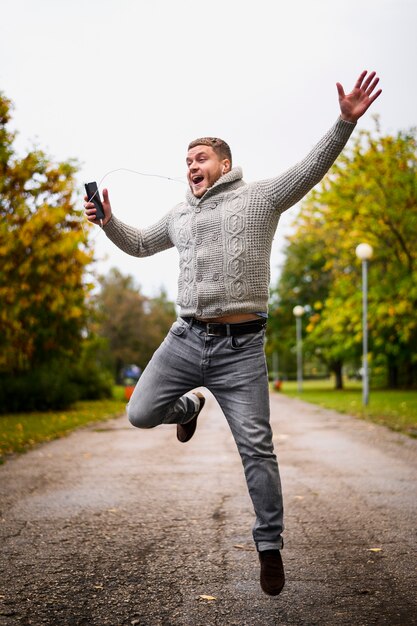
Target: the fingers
(368, 81)
(360, 79)
(372, 86)
(375, 96)
(90, 210)
(340, 90)
(369, 84)
(106, 197)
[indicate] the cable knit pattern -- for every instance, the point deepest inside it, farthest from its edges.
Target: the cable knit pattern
(224, 239)
(235, 228)
(185, 245)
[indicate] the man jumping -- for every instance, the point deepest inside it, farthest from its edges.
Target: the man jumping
(223, 232)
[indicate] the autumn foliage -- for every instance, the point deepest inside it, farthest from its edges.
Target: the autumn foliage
(61, 340)
(43, 256)
(370, 195)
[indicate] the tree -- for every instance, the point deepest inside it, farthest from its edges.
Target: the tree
(43, 257)
(133, 324)
(369, 195)
(304, 280)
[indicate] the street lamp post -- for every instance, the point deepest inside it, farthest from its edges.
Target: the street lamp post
(298, 312)
(364, 252)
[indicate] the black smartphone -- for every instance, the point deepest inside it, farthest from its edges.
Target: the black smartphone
(93, 195)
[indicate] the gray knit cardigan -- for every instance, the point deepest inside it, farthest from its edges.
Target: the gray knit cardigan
(224, 239)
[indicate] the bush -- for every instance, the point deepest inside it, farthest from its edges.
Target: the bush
(40, 389)
(93, 383)
(56, 386)
(91, 376)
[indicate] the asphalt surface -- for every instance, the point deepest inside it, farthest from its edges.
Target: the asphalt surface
(116, 526)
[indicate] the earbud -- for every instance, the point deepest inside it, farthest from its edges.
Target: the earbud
(223, 170)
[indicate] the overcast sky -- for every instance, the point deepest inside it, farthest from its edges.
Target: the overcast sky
(128, 83)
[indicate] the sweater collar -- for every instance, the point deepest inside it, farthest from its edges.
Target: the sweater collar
(232, 179)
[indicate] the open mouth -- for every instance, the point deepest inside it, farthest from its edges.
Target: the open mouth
(197, 179)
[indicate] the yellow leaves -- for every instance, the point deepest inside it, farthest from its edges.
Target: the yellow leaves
(43, 257)
(374, 549)
(313, 321)
(26, 234)
(207, 598)
(75, 312)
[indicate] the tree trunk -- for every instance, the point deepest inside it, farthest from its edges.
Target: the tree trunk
(410, 374)
(392, 375)
(338, 374)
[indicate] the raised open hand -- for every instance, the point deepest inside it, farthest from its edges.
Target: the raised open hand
(353, 105)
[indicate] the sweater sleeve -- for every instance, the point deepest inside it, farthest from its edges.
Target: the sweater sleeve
(139, 242)
(288, 188)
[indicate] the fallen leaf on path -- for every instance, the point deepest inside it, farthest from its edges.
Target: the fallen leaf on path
(375, 549)
(240, 546)
(112, 510)
(281, 437)
(210, 598)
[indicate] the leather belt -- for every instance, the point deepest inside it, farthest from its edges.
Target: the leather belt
(214, 329)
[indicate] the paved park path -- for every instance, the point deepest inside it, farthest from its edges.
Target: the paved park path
(120, 527)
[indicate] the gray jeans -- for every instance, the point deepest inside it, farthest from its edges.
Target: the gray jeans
(234, 370)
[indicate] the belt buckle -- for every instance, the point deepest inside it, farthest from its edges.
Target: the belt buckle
(211, 329)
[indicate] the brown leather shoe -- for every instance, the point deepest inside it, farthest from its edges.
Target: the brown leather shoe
(186, 431)
(272, 572)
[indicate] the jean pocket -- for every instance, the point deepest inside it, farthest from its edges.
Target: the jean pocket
(178, 328)
(245, 342)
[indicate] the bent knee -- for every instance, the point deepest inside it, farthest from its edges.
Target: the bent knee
(139, 418)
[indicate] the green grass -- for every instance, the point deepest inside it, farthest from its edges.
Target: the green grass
(395, 409)
(21, 431)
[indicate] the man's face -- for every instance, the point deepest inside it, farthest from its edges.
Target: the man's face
(204, 168)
